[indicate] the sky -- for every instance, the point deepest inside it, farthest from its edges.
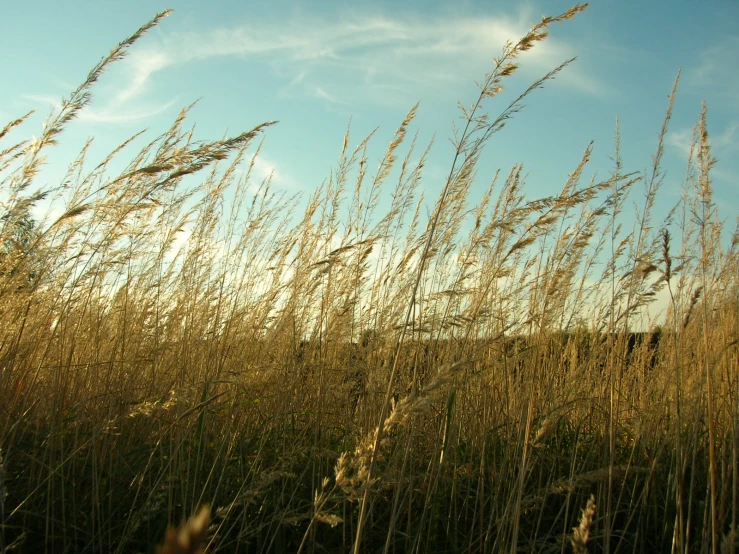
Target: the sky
(318, 66)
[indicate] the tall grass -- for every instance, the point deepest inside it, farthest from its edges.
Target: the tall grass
(356, 379)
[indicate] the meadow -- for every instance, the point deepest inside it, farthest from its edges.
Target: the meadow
(437, 376)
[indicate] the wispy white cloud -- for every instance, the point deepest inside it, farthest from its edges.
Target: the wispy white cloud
(267, 169)
(112, 115)
(724, 145)
(722, 142)
(727, 140)
(718, 71)
(345, 60)
(123, 106)
(51, 101)
(362, 57)
(680, 140)
(725, 175)
(320, 93)
(143, 64)
(111, 112)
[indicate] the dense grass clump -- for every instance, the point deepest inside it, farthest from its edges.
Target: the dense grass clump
(353, 380)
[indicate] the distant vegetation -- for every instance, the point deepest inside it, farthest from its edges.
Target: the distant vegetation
(351, 378)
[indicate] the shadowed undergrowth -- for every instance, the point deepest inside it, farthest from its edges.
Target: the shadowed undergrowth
(361, 375)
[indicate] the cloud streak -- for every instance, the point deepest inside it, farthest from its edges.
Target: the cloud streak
(376, 58)
(717, 71)
(143, 65)
(267, 169)
(111, 113)
(723, 146)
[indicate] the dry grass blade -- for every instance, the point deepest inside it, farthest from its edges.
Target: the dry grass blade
(15, 123)
(581, 533)
(466, 367)
(190, 537)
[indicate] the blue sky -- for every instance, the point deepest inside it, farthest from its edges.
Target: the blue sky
(315, 66)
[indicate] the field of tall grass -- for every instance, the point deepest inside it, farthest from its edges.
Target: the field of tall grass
(439, 376)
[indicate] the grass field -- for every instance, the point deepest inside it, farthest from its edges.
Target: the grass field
(468, 378)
